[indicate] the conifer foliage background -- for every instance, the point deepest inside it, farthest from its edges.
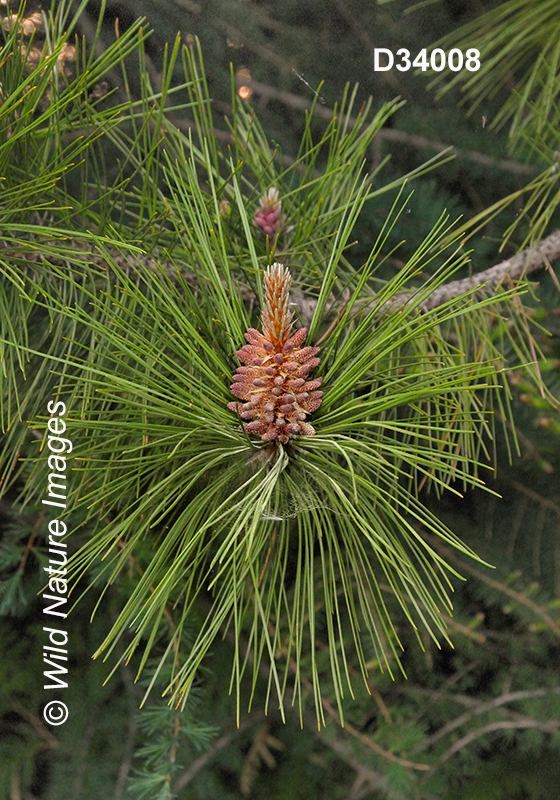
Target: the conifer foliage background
(317, 580)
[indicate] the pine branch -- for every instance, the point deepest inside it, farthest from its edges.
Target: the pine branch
(88, 29)
(344, 726)
(530, 260)
(525, 263)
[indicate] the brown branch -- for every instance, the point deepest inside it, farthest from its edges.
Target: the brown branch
(435, 694)
(365, 777)
(392, 134)
(499, 725)
(361, 32)
(30, 542)
(368, 741)
(542, 501)
(480, 638)
(50, 741)
(482, 708)
(132, 729)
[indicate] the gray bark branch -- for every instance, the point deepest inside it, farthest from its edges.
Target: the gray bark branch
(534, 258)
(530, 260)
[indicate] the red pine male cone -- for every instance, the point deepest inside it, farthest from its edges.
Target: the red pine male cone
(274, 384)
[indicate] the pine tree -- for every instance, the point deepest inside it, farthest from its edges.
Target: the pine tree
(137, 254)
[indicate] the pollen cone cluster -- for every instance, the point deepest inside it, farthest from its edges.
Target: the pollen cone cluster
(274, 382)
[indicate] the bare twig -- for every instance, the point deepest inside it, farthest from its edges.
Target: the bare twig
(525, 263)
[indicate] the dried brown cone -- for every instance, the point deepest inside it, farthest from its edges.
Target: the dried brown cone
(274, 383)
